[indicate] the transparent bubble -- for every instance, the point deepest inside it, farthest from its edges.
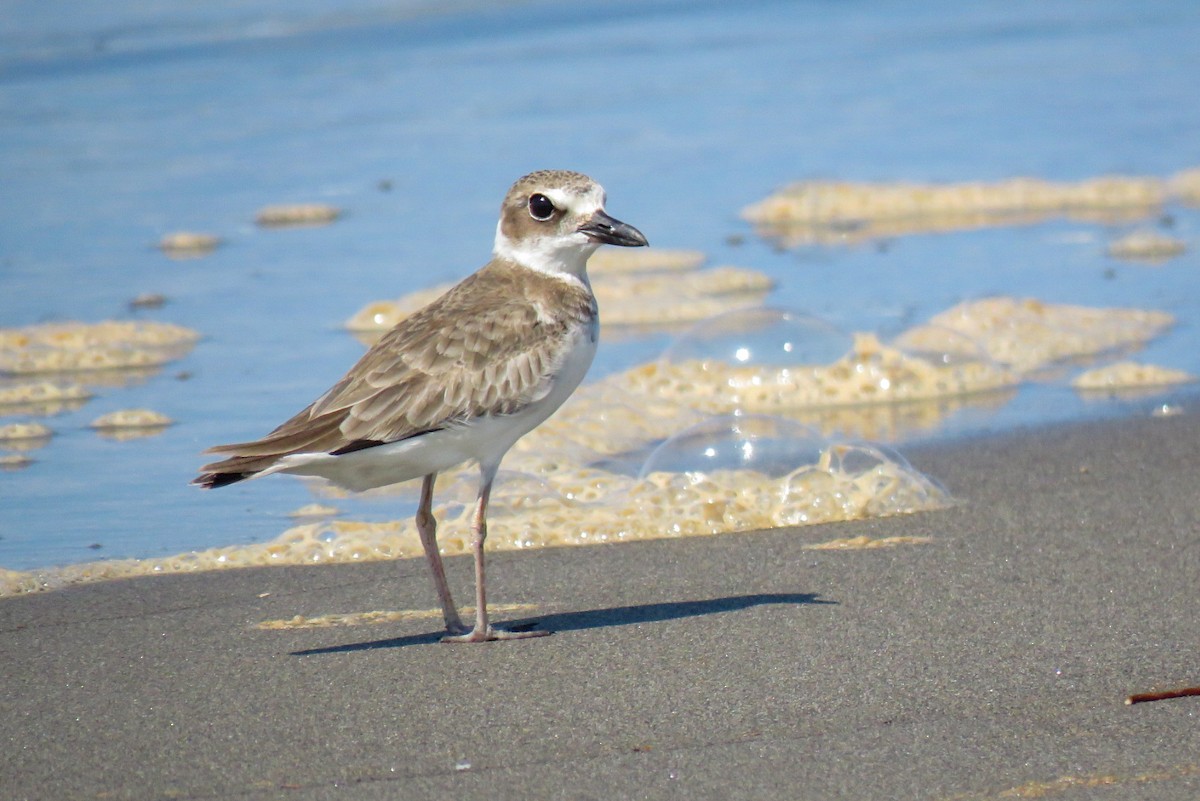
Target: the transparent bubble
(511, 491)
(760, 337)
(810, 494)
(768, 445)
(943, 346)
(857, 459)
(610, 427)
(591, 487)
(885, 479)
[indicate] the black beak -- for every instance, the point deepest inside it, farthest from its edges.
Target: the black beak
(605, 230)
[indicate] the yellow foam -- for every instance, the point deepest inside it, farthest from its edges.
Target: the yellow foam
(839, 211)
(38, 394)
(1129, 374)
(12, 461)
(870, 373)
(863, 542)
(1026, 334)
(571, 481)
(314, 510)
(1146, 245)
(15, 433)
(188, 244)
(132, 418)
(608, 261)
(108, 345)
(297, 215)
(1069, 784)
(574, 506)
(628, 297)
(84, 335)
(1185, 185)
(127, 424)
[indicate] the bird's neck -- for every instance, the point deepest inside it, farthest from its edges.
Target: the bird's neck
(563, 260)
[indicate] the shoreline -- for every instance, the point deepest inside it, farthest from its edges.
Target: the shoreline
(992, 660)
(236, 556)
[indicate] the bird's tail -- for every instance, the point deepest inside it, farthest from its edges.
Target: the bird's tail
(232, 470)
(212, 480)
(249, 459)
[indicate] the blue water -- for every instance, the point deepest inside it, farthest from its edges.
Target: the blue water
(121, 121)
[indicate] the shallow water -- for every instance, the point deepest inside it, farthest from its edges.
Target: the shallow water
(122, 122)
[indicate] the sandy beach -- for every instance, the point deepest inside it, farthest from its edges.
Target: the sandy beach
(200, 197)
(992, 662)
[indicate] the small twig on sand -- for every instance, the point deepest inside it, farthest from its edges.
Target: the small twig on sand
(1142, 698)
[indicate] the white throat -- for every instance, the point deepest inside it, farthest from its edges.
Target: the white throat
(560, 256)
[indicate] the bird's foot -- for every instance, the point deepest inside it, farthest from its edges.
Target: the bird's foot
(489, 634)
(455, 628)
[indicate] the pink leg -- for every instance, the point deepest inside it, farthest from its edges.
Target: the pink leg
(483, 632)
(427, 528)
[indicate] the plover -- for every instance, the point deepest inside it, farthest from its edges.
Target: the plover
(463, 378)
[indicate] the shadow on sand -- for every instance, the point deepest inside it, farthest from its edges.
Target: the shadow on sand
(596, 618)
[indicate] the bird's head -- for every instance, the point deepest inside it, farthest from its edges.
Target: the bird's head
(554, 220)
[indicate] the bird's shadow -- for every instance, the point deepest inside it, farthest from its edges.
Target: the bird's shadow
(596, 618)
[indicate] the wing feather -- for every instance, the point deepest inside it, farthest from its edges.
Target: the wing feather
(481, 349)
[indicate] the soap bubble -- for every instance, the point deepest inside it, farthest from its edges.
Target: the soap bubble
(760, 337)
(943, 346)
(767, 445)
(855, 459)
(812, 494)
(511, 489)
(884, 479)
(852, 481)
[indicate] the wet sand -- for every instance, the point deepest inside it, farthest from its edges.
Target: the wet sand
(992, 662)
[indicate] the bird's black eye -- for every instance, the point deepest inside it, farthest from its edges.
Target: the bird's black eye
(540, 207)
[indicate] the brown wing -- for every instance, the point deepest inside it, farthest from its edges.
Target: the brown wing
(480, 349)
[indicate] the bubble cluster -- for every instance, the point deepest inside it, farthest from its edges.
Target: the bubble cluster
(617, 465)
(762, 337)
(726, 476)
(869, 373)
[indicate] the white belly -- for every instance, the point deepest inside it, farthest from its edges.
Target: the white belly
(484, 439)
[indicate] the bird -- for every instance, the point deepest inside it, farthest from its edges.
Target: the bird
(461, 379)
